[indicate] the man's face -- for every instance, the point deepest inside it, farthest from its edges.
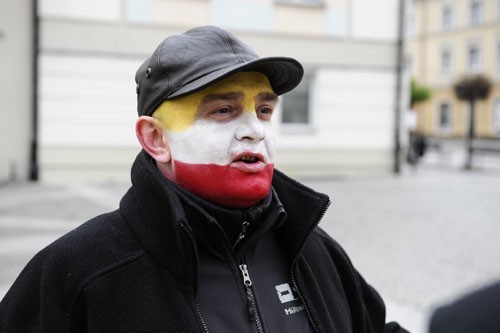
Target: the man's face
(221, 141)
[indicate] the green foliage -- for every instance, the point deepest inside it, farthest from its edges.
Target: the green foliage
(418, 93)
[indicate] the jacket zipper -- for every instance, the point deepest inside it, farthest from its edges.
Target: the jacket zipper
(251, 304)
(197, 305)
(308, 312)
(242, 234)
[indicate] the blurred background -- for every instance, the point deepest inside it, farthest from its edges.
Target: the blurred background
(397, 119)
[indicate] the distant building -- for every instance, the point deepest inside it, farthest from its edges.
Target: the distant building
(339, 121)
(447, 40)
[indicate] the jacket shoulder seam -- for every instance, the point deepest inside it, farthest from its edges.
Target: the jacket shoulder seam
(124, 261)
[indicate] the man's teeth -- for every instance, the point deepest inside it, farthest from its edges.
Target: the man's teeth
(249, 159)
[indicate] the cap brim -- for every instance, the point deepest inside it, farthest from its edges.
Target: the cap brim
(284, 74)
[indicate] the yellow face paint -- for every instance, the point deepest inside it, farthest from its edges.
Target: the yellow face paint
(180, 114)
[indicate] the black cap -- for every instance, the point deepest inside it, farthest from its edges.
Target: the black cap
(186, 63)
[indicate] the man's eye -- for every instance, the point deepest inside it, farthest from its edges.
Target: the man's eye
(223, 110)
(266, 111)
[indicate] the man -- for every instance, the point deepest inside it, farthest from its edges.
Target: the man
(474, 312)
(209, 238)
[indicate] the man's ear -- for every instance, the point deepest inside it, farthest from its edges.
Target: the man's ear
(151, 136)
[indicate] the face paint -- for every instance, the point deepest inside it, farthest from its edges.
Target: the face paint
(221, 140)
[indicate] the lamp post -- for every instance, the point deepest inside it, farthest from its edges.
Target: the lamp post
(470, 89)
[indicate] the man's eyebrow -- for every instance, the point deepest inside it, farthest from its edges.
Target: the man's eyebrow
(222, 96)
(268, 96)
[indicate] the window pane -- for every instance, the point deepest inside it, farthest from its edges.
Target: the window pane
(498, 55)
(496, 115)
(476, 10)
(295, 104)
(474, 58)
(139, 10)
(447, 18)
(444, 116)
(235, 14)
(301, 2)
(445, 61)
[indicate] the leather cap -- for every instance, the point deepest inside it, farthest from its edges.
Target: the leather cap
(186, 63)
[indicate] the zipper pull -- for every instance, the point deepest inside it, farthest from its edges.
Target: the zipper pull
(250, 298)
(242, 234)
(246, 277)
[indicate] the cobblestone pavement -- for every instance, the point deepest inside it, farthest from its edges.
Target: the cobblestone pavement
(420, 239)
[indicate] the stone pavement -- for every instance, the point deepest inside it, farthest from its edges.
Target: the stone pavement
(420, 239)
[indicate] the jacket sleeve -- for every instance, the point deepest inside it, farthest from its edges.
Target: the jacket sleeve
(336, 293)
(38, 300)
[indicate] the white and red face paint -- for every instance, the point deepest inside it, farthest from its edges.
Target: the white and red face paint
(221, 140)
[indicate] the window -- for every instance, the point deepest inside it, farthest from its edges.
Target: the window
(295, 105)
(444, 117)
(476, 12)
(139, 10)
(411, 25)
(498, 55)
(496, 115)
(447, 17)
(234, 14)
(301, 2)
(474, 58)
(337, 20)
(445, 60)
(409, 65)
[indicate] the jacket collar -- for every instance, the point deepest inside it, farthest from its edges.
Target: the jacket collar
(304, 207)
(154, 211)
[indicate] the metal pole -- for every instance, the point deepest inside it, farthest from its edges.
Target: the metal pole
(399, 86)
(33, 169)
(470, 138)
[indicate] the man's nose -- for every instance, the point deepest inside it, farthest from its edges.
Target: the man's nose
(250, 127)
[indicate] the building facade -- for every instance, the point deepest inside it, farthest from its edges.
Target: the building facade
(449, 39)
(339, 121)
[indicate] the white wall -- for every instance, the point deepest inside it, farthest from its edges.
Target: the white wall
(87, 117)
(351, 109)
(87, 101)
(376, 19)
(15, 88)
(108, 10)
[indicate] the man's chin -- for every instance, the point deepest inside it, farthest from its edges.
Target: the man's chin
(224, 185)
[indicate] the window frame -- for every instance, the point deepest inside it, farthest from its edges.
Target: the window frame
(302, 3)
(497, 54)
(448, 127)
(447, 21)
(306, 127)
(476, 12)
(495, 123)
(474, 67)
(446, 49)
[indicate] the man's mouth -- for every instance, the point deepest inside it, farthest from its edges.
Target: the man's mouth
(249, 162)
(249, 159)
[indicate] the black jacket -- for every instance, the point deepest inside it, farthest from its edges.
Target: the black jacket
(475, 312)
(136, 269)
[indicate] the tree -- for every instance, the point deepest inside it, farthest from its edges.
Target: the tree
(418, 93)
(417, 142)
(470, 89)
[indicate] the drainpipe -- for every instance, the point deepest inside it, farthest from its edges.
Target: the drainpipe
(399, 86)
(33, 158)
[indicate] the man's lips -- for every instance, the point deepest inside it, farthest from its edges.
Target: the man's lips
(248, 162)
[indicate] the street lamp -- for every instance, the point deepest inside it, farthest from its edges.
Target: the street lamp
(472, 88)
